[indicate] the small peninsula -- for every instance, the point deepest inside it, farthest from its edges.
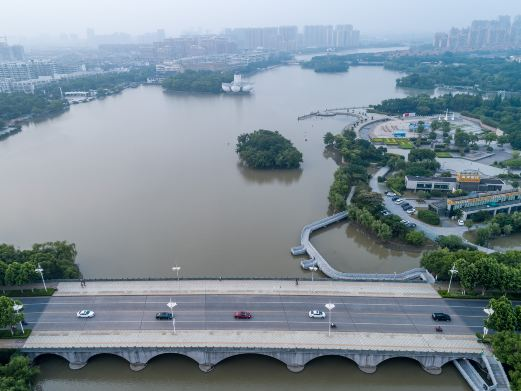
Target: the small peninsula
(265, 149)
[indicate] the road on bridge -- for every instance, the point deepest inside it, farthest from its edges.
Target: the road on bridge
(271, 312)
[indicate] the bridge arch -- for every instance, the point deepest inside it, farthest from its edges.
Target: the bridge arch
(342, 357)
(229, 355)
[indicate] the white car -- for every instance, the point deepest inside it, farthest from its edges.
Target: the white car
(398, 201)
(410, 211)
(85, 314)
(390, 194)
(461, 222)
(317, 314)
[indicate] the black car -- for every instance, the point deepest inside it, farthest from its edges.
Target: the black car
(394, 198)
(411, 225)
(440, 316)
(405, 206)
(164, 316)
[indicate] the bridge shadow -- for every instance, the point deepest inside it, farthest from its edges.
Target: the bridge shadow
(172, 358)
(253, 359)
(340, 363)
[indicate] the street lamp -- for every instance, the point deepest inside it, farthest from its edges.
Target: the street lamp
(488, 311)
(452, 272)
(40, 270)
(171, 305)
(176, 270)
(17, 308)
(313, 270)
(329, 306)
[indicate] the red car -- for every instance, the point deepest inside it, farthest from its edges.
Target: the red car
(242, 315)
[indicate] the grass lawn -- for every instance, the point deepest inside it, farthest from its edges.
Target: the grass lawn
(443, 154)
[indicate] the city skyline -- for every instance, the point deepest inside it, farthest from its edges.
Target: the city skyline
(183, 17)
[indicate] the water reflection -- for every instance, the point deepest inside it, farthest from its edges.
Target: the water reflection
(286, 177)
(252, 372)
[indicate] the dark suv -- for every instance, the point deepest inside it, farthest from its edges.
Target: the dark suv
(164, 316)
(440, 316)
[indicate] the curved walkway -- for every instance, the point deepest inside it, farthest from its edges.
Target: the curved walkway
(317, 260)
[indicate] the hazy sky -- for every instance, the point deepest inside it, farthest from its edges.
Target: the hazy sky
(30, 18)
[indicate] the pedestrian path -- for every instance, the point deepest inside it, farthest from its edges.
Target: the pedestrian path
(247, 287)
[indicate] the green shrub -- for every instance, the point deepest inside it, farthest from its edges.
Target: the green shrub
(429, 217)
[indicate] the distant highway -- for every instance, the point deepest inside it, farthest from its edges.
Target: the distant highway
(215, 312)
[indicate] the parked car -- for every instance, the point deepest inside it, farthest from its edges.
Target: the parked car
(441, 316)
(243, 315)
(317, 314)
(404, 222)
(85, 314)
(410, 211)
(398, 201)
(390, 194)
(461, 222)
(385, 213)
(411, 225)
(164, 316)
(395, 198)
(406, 206)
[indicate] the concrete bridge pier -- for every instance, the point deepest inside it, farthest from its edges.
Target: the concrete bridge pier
(295, 368)
(77, 365)
(367, 368)
(206, 367)
(137, 366)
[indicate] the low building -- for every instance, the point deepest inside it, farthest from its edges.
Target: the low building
(467, 181)
(498, 202)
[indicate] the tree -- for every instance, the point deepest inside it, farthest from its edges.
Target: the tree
(416, 238)
(420, 154)
(8, 316)
(507, 348)
(482, 236)
(461, 138)
(264, 149)
(488, 137)
(452, 242)
(429, 217)
(504, 317)
(489, 273)
(329, 139)
(468, 274)
(517, 311)
(469, 223)
(18, 374)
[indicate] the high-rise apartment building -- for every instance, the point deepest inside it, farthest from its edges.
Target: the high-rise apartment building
(482, 34)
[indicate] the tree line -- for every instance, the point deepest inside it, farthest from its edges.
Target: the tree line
(356, 155)
(477, 270)
(17, 267)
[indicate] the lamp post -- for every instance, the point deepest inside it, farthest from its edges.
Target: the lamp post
(176, 269)
(488, 311)
(171, 305)
(313, 270)
(329, 306)
(452, 272)
(40, 270)
(17, 308)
